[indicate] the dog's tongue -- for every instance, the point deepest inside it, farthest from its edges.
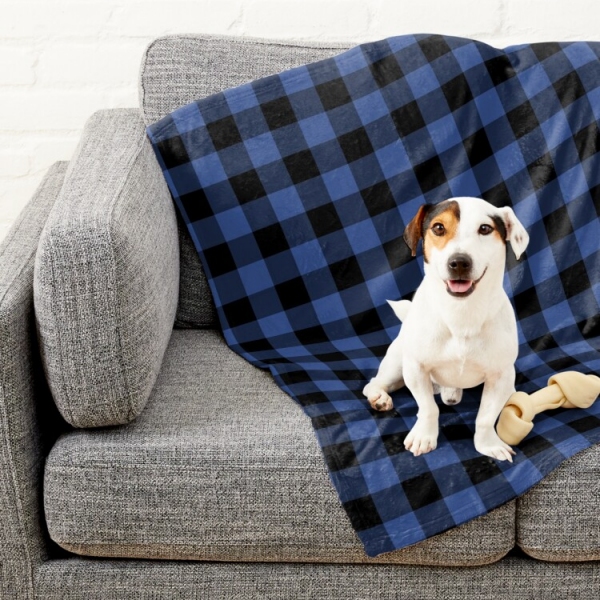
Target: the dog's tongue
(459, 286)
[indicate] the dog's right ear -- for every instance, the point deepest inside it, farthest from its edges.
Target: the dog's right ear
(414, 230)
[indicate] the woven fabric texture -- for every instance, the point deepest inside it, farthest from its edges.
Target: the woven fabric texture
(177, 70)
(24, 400)
(296, 190)
(558, 519)
(107, 275)
(509, 579)
(221, 466)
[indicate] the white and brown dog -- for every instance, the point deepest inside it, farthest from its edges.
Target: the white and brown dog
(459, 330)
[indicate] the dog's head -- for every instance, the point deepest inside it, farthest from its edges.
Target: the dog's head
(464, 240)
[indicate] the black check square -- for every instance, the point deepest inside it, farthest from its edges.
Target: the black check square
(430, 174)
(278, 113)
(522, 119)
(333, 94)
(363, 513)
(224, 133)
(324, 220)
(542, 171)
(341, 456)
(457, 92)
(220, 259)
(346, 273)
(196, 205)
(355, 144)
(569, 88)
(477, 147)
(587, 141)
(311, 335)
(173, 152)
(558, 224)
(247, 186)
(434, 46)
(271, 240)
(394, 442)
(239, 312)
(292, 293)
(386, 70)
(408, 118)
(499, 69)
(481, 469)
(301, 166)
(545, 50)
(379, 198)
(422, 490)
(575, 279)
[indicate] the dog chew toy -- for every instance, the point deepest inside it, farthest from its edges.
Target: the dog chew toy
(570, 389)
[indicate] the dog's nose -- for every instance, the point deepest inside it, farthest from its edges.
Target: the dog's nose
(460, 265)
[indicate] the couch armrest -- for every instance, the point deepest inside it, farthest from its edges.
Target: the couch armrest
(25, 403)
(106, 279)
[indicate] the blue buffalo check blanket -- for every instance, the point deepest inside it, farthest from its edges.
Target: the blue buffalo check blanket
(296, 190)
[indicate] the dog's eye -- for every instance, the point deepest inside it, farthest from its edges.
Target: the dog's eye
(485, 229)
(438, 229)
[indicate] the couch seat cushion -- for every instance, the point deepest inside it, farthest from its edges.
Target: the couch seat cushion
(222, 465)
(559, 519)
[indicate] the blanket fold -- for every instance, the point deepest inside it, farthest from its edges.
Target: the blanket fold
(296, 190)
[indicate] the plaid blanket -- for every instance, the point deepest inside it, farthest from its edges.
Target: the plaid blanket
(296, 190)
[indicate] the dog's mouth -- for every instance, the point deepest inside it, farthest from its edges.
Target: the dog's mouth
(461, 288)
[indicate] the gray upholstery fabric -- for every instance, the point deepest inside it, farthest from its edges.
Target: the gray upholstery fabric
(559, 519)
(509, 579)
(221, 465)
(107, 274)
(179, 69)
(24, 400)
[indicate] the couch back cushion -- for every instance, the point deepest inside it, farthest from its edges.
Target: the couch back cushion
(177, 70)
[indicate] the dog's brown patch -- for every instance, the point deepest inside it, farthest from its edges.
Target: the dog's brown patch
(446, 213)
(499, 228)
(414, 230)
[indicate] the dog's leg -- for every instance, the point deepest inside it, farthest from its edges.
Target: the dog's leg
(388, 379)
(496, 393)
(451, 396)
(422, 438)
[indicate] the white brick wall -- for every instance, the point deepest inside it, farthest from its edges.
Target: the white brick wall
(60, 60)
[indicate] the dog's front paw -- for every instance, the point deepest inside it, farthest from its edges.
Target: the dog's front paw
(377, 397)
(422, 438)
(491, 445)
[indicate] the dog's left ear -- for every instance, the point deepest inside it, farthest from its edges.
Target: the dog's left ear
(414, 230)
(515, 232)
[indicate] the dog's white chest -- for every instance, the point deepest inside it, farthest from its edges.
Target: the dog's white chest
(459, 364)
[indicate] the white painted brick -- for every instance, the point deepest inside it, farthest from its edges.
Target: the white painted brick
(46, 151)
(14, 164)
(462, 18)
(543, 20)
(333, 20)
(15, 194)
(105, 62)
(17, 65)
(4, 228)
(30, 20)
(49, 110)
(152, 18)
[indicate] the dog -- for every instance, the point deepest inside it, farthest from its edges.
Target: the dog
(460, 330)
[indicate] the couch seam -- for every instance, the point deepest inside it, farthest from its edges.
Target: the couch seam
(118, 311)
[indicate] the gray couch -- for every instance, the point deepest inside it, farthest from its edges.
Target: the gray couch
(141, 458)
